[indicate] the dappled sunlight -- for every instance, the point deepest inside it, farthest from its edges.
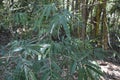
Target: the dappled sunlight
(111, 70)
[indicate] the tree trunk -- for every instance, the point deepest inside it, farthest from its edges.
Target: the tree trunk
(105, 28)
(97, 19)
(84, 18)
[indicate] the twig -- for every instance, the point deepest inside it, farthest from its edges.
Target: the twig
(8, 57)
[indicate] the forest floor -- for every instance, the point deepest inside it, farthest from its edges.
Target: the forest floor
(110, 66)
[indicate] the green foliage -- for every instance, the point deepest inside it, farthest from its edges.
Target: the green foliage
(49, 61)
(39, 56)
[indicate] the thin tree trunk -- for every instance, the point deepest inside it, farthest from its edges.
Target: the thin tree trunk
(84, 18)
(68, 4)
(76, 6)
(105, 28)
(97, 22)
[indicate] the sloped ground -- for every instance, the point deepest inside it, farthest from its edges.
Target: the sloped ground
(111, 69)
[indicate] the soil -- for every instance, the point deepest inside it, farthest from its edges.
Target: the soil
(5, 37)
(111, 68)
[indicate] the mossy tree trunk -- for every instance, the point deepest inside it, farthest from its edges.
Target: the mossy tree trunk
(105, 27)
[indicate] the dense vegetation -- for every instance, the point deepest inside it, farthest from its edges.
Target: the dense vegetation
(57, 39)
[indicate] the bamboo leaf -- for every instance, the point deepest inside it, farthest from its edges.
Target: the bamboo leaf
(81, 73)
(95, 70)
(73, 67)
(90, 74)
(65, 26)
(46, 76)
(54, 64)
(32, 76)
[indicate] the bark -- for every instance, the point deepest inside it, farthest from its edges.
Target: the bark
(105, 28)
(68, 4)
(97, 22)
(84, 18)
